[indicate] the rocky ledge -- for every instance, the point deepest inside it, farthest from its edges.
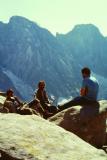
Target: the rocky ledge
(31, 137)
(87, 122)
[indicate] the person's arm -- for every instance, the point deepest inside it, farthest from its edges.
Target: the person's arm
(84, 88)
(83, 91)
(37, 95)
(46, 97)
(18, 101)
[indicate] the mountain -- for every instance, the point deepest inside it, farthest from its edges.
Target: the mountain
(88, 47)
(87, 42)
(30, 53)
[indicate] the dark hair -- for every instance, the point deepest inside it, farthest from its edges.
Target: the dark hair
(9, 91)
(86, 70)
(41, 82)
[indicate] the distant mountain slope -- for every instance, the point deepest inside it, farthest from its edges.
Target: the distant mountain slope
(25, 90)
(87, 46)
(6, 83)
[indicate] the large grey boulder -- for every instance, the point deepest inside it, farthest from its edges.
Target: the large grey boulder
(88, 122)
(33, 138)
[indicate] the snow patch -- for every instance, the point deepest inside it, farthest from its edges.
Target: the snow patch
(63, 100)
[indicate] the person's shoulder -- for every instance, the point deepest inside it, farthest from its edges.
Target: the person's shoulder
(87, 80)
(36, 90)
(93, 79)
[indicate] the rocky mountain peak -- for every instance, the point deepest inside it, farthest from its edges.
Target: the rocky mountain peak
(82, 31)
(31, 53)
(19, 21)
(90, 28)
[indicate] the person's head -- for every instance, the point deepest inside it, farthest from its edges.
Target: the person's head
(86, 72)
(9, 93)
(41, 85)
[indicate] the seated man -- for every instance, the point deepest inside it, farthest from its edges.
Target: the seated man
(42, 96)
(88, 92)
(12, 103)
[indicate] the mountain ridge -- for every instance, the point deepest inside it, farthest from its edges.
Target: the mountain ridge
(32, 53)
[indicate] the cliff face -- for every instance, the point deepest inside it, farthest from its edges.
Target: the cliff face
(30, 137)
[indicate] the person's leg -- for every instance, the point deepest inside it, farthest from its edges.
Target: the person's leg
(53, 109)
(76, 101)
(10, 106)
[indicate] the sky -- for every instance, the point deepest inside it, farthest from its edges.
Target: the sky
(57, 15)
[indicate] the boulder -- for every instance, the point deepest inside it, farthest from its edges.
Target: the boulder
(87, 122)
(32, 138)
(2, 99)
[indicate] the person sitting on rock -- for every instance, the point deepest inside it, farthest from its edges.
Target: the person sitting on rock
(42, 96)
(12, 103)
(88, 91)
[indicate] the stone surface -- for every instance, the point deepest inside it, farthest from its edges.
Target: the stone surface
(33, 138)
(87, 122)
(2, 99)
(2, 109)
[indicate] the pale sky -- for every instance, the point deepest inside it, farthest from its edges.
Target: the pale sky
(58, 15)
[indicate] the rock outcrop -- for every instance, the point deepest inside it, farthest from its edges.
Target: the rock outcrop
(33, 138)
(2, 109)
(87, 122)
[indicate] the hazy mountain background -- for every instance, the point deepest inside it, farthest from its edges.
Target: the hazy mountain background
(29, 53)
